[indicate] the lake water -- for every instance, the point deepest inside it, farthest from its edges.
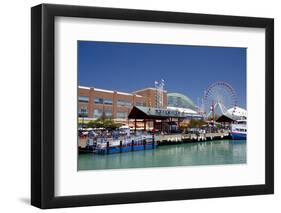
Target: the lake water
(187, 154)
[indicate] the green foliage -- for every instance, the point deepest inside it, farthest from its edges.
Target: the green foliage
(218, 125)
(191, 124)
(91, 124)
(196, 123)
(183, 127)
(103, 123)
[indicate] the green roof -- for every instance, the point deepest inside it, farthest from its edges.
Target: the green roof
(180, 100)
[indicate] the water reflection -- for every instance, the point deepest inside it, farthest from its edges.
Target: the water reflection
(205, 153)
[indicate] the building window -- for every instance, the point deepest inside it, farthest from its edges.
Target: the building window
(108, 113)
(107, 101)
(124, 103)
(83, 99)
(83, 111)
(121, 115)
(103, 101)
(98, 101)
(97, 113)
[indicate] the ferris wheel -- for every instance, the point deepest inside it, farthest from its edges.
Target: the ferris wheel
(219, 98)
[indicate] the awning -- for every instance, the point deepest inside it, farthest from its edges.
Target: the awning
(140, 112)
(225, 119)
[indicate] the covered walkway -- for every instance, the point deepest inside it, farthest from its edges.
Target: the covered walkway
(149, 114)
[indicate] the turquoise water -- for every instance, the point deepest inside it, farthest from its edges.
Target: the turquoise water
(188, 154)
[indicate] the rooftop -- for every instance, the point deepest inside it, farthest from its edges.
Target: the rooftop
(184, 110)
(148, 88)
(108, 91)
(140, 112)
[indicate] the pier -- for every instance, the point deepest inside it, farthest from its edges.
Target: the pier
(190, 137)
(169, 139)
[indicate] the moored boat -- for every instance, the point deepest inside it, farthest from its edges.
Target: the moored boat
(239, 130)
(127, 144)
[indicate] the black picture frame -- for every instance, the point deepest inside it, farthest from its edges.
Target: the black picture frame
(43, 110)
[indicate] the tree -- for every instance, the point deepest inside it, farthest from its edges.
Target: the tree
(183, 126)
(103, 123)
(196, 123)
(110, 124)
(91, 124)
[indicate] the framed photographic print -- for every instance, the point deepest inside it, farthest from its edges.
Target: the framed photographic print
(136, 106)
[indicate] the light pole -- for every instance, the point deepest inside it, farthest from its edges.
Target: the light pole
(128, 116)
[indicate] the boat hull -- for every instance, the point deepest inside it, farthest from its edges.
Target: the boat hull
(238, 136)
(113, 150)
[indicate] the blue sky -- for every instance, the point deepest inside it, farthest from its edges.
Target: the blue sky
(189, 70)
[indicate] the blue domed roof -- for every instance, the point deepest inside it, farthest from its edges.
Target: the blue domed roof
(180, 100)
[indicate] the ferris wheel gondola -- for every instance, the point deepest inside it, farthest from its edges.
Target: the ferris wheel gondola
(218, 99)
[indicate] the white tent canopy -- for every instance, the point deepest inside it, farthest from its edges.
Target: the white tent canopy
(237, 111)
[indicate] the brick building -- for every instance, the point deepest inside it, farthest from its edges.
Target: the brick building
(94, 103)
(149, 97)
